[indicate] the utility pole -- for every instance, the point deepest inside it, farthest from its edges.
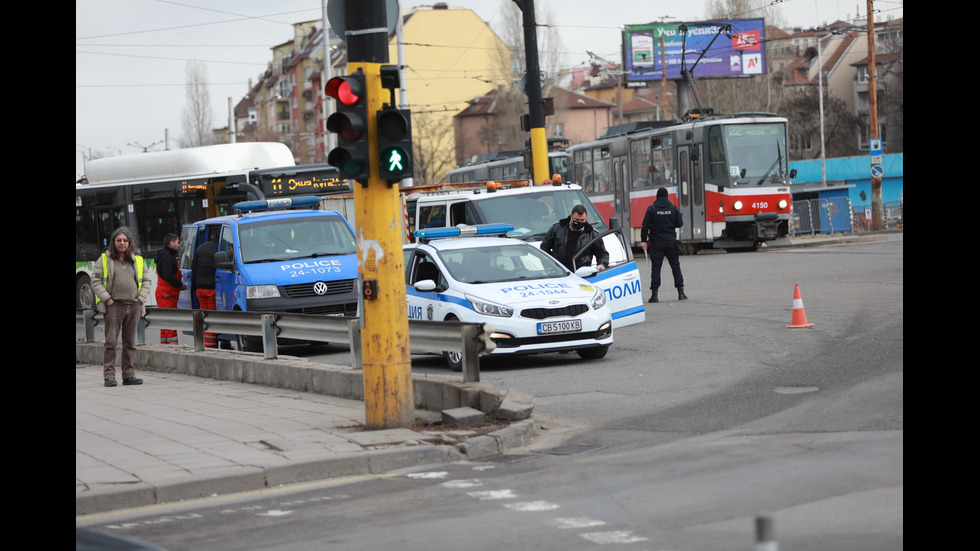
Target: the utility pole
(362, 103)
(328, 141)
(873, 119)
(539, 137)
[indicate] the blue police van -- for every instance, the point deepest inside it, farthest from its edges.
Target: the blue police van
(277, 255)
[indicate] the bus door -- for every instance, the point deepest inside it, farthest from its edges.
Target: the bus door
(110, 218)
(690, 192)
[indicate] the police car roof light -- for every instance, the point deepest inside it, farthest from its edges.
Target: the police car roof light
(463, 230)
(277, 203)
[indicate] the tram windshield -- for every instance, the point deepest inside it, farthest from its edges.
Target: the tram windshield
(752, 148)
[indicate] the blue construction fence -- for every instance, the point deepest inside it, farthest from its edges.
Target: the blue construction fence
(844, 204)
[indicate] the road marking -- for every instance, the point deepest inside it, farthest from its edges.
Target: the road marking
(576, 523)
(492, 494)
(616, 536)
(531, 506)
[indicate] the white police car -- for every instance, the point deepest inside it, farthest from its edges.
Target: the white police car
(534, 304)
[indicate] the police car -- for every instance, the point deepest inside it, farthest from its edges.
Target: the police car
(532, 210)
(534, 304)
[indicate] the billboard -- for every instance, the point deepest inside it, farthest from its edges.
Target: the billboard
(716, 49)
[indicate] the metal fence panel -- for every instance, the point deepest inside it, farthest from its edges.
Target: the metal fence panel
(826, 215)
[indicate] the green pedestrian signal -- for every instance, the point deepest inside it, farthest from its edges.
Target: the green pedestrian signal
(395, 156)
(395, 144)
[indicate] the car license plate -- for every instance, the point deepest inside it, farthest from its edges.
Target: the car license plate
(551, 327)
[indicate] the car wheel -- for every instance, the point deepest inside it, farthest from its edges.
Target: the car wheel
(249, 344)
(593, 353)
(454, 359)
(84, 296)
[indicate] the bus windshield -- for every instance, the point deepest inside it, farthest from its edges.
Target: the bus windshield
(293, 238)
(754, 148)
(533, 214)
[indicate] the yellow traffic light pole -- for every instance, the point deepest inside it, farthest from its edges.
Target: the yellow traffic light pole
(385, 351)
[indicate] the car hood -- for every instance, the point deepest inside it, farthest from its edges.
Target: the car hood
(549, 292)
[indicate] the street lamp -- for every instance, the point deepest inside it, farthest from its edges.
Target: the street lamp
(808, 56)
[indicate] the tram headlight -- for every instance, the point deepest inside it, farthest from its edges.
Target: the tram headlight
(783, 204)
(737, 205)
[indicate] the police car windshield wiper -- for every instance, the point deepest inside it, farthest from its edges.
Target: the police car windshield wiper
(264, 260)
(330, 253)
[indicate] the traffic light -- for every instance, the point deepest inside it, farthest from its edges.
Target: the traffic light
(349, 122)
(395, 144)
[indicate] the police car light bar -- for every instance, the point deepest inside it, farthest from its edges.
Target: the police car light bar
(463, 230)
(277, 203)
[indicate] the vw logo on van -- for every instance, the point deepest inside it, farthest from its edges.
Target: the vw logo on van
(320, 288)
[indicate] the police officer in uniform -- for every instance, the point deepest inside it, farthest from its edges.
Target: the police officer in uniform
(659, 224)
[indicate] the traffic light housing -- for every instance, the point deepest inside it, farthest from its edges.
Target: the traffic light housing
(395, 144)
(350, 123)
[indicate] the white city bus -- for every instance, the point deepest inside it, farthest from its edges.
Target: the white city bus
(158, 193)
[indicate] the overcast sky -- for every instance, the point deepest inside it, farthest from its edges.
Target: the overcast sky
(131, 55)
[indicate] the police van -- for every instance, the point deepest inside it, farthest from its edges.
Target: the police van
(532, 210)
(274, 257)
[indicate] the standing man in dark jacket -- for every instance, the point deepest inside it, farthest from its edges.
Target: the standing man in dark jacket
(169, 284)
(659, 224)
(203, 274)
(571, 234)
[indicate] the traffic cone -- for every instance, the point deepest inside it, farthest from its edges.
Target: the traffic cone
(799, 314)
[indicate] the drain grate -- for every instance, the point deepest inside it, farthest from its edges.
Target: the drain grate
(571, 449)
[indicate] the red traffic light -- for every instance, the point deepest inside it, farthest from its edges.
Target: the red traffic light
(346, 90)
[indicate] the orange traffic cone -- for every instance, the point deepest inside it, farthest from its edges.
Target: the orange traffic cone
(799, 315)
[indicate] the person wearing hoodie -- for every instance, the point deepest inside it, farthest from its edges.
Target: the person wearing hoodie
(202, 273)
(569, 235)
(659, 227)
(169, 284)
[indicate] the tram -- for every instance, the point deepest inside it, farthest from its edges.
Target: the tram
(728, 175)
(510, 164)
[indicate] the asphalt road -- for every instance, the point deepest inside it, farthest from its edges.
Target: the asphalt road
(710, 413)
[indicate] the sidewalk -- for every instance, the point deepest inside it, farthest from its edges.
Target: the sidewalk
(180, 436)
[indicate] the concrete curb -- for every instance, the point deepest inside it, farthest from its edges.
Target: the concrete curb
(243, 479)
(433, 392)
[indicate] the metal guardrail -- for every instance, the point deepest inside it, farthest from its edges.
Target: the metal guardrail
(470, 339)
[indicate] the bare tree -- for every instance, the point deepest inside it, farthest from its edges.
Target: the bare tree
(549, 42)
(802, 109)
(432, 136)
(504, 132)
(197, 117)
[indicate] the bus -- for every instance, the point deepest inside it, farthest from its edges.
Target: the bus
(510, 164)
(728, 175)
(158, 193)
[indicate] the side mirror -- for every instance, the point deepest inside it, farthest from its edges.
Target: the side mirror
(792, 174)
(222, 262)
(586, 271)
(425, 285)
